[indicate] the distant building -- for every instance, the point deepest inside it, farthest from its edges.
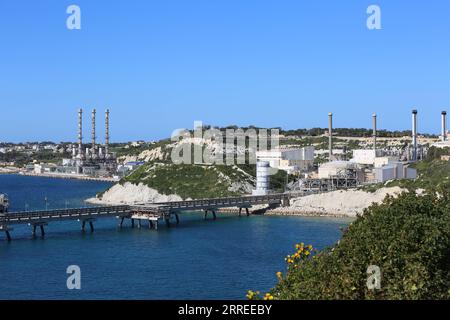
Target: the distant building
(290, 160)
(124, 169)
(133, 165)
(394, 171)
(442, 144)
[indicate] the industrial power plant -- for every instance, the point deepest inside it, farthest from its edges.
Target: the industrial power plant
(367, 166)
(91, 160)
(96, 160)
(327, 165)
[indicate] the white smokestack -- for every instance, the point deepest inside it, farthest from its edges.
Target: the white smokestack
(444, 126)
(93, 152)
(330, 136)
(80, 133)
(374, 124)
(107, 132)
(414, 134)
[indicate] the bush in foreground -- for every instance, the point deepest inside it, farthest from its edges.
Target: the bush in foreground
(408, 238)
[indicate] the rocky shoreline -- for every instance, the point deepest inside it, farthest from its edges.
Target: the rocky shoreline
(336, 204)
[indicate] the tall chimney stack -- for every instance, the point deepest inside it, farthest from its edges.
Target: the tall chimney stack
(80, 133)
(374, 124)
(330, 136)
(444, 126)
(93, 137)
(414, 134)
(107, 133)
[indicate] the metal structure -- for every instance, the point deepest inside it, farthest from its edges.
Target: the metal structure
(344, 179)
(151, 212)
(4, 203)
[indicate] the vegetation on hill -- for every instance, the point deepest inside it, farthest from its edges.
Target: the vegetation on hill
(202, 181)
(21, 159)
(408, 238)
(193, 181)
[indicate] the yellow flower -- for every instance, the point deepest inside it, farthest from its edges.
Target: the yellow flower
(268, 296)
(310, 247)
(307, 253)
(279, 276)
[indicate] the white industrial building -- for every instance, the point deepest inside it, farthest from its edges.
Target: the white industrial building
(290, 160)
(335, 168)
(394, 171)
(383, 161)
(366, 156)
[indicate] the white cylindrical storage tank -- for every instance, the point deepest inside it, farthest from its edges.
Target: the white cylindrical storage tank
(262, 176)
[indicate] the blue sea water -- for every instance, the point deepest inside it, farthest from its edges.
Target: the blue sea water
(197, 259)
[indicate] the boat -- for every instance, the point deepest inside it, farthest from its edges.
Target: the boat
(4, 203)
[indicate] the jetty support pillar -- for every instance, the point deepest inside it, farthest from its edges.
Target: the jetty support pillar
(6, 230)
(91, 224)
(41, 226)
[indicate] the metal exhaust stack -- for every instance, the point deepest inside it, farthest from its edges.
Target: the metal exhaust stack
(330, 136)
(107, 133)
(93, 151)
(444, 126)
(80, 133)
(414, 134)
(374, 124)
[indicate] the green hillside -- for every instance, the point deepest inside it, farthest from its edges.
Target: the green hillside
(193, 181)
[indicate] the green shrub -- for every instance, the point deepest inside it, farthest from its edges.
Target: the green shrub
(407, 237)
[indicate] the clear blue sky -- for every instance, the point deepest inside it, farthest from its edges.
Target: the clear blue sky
(160, 65)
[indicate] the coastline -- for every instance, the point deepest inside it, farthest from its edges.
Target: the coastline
(55, 175)
(337, 204)
(288, 211)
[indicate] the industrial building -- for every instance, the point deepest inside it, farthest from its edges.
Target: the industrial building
(336, 168)
(372, 165)
(394, 171)
(366, 156)
(96, 160)
(290, 160)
